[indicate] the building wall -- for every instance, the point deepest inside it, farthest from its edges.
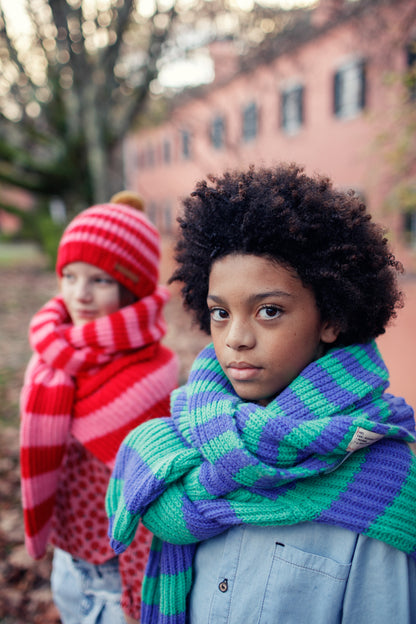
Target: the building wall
(348, 149)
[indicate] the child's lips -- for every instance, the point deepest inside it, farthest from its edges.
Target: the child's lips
(242, 371)
(85, 314)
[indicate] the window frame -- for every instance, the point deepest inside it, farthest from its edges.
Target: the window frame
(186, 144)
(347, 104)
(411, 69)
(217, 132)
(409, 227)
(167, 151)
(292, 108)
(250, 121)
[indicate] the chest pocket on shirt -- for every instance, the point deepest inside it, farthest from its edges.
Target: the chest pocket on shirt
(303, 587)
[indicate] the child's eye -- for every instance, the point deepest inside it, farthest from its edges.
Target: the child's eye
(69, 277)
(218, 314)
(269, 312)
(103, 280)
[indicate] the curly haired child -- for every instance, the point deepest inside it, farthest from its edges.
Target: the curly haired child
(283, 488)
(98, 370)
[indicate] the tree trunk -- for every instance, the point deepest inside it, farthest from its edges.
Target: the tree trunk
(96, 150)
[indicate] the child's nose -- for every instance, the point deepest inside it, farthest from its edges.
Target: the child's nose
(83, 290)
(240, 335)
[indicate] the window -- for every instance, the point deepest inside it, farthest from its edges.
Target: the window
(250, 122)
(167, 152)
(151, 159)
(350, 89)
(186, 144)
(409, 227)
(292, 109)
(141, 159)
(218, 132)
(411, 69)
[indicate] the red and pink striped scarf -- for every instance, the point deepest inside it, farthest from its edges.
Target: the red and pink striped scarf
(97, 381)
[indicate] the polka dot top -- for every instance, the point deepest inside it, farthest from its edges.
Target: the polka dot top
(80, 523)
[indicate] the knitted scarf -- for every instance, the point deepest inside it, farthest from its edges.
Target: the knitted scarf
(220, 462)
(95, 381)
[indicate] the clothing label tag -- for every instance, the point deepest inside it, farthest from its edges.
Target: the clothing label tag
(363, 437)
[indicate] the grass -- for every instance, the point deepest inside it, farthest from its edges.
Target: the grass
(20, 254)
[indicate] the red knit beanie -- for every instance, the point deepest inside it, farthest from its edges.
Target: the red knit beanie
(119, 239)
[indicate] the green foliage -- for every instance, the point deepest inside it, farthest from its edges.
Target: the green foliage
(48, 234)
(397, 143)
(37, 226)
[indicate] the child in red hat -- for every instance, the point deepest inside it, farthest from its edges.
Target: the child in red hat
(98, 370)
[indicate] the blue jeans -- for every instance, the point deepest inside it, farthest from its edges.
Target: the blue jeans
(86, 593)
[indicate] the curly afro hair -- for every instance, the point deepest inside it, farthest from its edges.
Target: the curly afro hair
(303, 223)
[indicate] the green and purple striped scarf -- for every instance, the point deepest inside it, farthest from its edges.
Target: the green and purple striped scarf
(330, 448)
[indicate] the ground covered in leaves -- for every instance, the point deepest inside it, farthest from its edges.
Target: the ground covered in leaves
(25, 596)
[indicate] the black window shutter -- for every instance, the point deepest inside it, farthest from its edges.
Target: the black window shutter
(284, 109)
(301, 105)
(363, 90)
(337, 92)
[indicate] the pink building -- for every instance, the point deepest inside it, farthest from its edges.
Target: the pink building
(328, 94)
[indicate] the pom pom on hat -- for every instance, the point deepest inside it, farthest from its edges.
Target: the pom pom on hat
(129, 198)
(118, 238)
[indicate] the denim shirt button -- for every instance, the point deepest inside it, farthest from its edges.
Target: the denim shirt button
(223, 586)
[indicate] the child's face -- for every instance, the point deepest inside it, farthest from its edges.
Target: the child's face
(88, 292)
(265, 325)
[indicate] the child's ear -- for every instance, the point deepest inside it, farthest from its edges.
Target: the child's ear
(329, 333)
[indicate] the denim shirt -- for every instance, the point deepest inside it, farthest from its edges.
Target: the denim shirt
(302, 574)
